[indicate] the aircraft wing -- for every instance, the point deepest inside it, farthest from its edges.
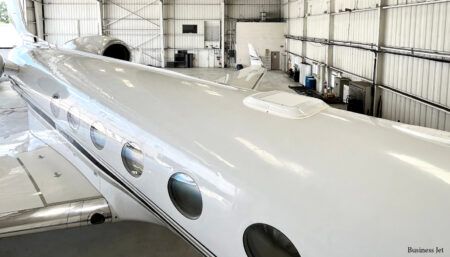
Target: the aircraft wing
(40, 190)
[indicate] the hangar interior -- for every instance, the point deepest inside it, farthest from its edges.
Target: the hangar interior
(384, 58)
(398, 47)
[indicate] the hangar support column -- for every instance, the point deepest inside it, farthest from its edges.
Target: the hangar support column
(100, 16)
(378, 60)
(161, 33)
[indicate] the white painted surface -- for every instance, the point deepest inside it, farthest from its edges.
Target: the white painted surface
(57, 178)
(353, 195)
(267, 35)
(120, 202)
(16, 189)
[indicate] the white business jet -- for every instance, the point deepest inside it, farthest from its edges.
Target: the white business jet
(233, 171)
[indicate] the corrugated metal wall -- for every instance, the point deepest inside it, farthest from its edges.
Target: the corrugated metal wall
(203, 13)
(137, 23)
(30, 17)
(242, 10)
(68, 19)
(412, 39)
(424, 27)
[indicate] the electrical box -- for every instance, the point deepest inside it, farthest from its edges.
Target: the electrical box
(338, 88)
(360, 97)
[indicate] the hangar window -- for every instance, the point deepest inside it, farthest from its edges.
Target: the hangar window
(262, 240)
(187, 28)
(98, 138)
(133, 159)
(185, 195)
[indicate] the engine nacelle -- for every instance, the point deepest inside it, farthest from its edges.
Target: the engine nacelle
(101, 45)
(7, 66)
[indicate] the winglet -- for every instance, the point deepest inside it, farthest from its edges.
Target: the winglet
(255, 60)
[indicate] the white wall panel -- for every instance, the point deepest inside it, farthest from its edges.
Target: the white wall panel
(425, 79)
(296, 9)
(316, 51)
(359, 62)
(402, 2)
(285, 9)
(294, 17)
(317, 26)
(318, 6)
(67, 19)
(296, 27)
(251, 9)
(295, 46)
(341, 5)
(406, 110)
(357, 27)
(75, 2)
(70, 11)
(191, 11)
(422, 26)
(192, 2)
(137, 23)
(30, 17)
(148, 10)
(422, 78)
(70, 27)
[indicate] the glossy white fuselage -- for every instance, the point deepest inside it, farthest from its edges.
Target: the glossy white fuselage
(336, 183)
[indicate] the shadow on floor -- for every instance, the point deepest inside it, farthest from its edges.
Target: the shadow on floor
(123, 239)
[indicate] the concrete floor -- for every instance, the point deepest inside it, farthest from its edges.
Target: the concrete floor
(123, 239)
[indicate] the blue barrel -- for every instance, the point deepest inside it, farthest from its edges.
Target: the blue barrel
(310, 82)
